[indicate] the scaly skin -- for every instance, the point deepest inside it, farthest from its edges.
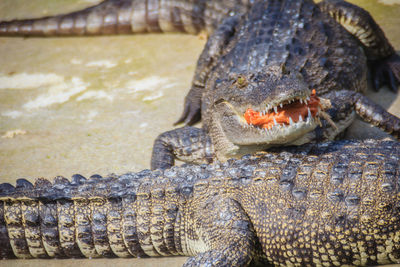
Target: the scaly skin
(261, 54)
(277, 52)
(130, 16)
(328, 204)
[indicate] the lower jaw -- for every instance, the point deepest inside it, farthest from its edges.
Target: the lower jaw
(278, 135)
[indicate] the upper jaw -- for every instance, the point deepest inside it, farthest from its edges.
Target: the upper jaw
(273, 105)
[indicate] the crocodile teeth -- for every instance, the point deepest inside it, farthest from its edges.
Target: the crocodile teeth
(301, 101)
(300, 118)
(275, 121)
(281, 105)
(309, 112)
(290, 121)
(276, 110)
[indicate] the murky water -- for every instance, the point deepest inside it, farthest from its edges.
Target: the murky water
(95, 104)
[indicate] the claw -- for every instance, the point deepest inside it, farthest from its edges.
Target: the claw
(191, 113)
(377, 83)
(183, 116)
(386, 71)
(189, 118)
(392, 81)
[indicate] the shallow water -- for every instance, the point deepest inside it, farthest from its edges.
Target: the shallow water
(95, 104)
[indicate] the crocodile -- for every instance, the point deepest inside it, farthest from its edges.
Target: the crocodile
(326, 204)
(254, 81)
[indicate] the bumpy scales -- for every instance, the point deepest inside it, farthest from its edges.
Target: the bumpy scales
(262, 55)
(329, 204)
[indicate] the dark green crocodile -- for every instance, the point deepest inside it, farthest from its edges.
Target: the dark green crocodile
(327, 204)
(252, 87)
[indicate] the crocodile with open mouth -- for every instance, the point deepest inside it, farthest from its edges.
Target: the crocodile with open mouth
(253, 86)
(285, 73)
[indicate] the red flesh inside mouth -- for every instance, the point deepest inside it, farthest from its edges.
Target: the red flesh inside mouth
(292, 110)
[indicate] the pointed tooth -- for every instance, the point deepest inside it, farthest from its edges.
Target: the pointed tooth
(310, 119)
(301, 101)
(309, 113)
(290, 121)
(281, 105)
(276, 109)
(260, 113)
(275, 123)
(300, 118)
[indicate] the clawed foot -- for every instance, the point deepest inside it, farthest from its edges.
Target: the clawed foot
(386, 72)
(192, 109)
(190, 115)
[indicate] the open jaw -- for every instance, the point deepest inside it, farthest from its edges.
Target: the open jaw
(287, 113)
(288, 121)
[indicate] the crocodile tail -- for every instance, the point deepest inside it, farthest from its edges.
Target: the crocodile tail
(68, 219)
(128, 16)
(132, 215)
(112, 17)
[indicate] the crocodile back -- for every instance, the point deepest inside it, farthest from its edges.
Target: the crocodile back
(335, 204)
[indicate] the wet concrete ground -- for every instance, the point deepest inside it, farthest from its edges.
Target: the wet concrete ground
(95, 104)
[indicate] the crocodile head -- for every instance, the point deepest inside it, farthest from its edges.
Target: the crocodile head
(258, 110)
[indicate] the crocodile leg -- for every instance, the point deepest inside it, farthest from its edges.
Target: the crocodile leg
(385, 63)
(367, 110)
(188, 143)
(216, 44)
(227, 233)
(130, 16)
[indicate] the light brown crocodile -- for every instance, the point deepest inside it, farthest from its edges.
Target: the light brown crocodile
(328, 204)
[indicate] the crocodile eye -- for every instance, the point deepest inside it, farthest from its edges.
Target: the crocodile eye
(241, 81)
